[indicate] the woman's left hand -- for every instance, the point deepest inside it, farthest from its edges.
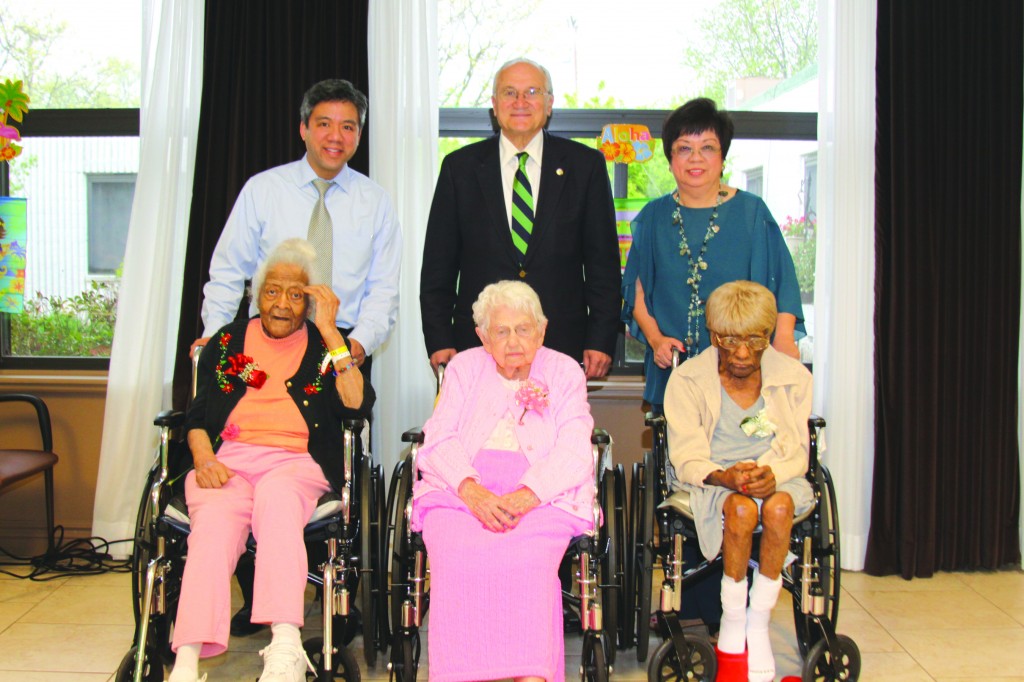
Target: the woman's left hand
(516, 503)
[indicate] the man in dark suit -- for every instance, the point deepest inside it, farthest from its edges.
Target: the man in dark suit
(558, 234)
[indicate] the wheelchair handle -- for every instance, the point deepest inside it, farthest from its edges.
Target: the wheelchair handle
(195, 369)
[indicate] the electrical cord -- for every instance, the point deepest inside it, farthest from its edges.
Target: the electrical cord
(84, 556)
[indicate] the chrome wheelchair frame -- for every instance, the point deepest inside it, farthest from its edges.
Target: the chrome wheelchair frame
(349, 522)
(598, 597)
(812, 579)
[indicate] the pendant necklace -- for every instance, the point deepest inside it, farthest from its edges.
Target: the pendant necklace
(695, 310)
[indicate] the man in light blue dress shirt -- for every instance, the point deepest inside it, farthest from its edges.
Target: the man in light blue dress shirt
(277, 203)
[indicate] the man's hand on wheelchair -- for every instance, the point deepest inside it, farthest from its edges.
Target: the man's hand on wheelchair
(210, 473)
(198, 343)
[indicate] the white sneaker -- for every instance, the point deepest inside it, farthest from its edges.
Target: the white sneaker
(284, 662)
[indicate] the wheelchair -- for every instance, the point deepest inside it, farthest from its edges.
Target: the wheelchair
(597, 598)
(346, 523)
(661, 522)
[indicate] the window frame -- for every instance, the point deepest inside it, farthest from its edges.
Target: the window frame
(582, 123)
(123, 122)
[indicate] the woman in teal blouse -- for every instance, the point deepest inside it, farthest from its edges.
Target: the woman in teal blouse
(701, 235)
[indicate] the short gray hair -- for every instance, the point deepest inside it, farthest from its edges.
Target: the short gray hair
(293, 251)
(741, 308)
(518, 296)
(523, 60)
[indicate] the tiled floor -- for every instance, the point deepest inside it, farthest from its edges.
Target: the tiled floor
(953, 627)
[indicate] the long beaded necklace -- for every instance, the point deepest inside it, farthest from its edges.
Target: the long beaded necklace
(697, 268)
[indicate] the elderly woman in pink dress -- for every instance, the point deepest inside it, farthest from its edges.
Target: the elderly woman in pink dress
(507, 482)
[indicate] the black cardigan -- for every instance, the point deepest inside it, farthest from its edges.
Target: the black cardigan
(322, 409)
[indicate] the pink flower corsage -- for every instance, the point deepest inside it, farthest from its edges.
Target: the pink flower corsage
(230, 432)
(531, 396)
(246, 369)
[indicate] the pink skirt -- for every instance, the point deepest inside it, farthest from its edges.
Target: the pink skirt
(495, 598)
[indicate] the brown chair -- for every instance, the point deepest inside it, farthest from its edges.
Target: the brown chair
(16, 465)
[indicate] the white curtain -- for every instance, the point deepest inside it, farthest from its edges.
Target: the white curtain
(141, 360)
(844, 363)
(403, 159)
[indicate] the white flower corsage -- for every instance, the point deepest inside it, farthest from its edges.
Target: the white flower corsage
(759, 426)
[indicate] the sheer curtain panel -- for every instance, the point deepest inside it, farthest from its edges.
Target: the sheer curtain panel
(142, 356)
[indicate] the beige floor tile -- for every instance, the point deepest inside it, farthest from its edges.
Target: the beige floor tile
(1005, 589)
(866, 631)
(960, 609)
(855, 582)
(29, 591)
(22, 676)
(78, 603)
(980, 653)
(891, 667)
(64, 648)
(978, 679)
(10, 612)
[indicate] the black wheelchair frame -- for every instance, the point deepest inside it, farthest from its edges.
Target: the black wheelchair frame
(812, 580)
(599, 597)
(349, 522)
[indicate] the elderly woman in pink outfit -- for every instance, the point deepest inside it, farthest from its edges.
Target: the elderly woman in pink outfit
(264, 431)
(507, 482)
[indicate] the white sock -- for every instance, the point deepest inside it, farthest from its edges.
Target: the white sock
(285, 632)
(186, 664)
(760, 661)
(732, 636)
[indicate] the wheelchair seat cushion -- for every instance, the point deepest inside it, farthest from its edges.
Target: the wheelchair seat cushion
(328, 505)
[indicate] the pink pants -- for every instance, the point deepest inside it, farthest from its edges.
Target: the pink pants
(273, 493)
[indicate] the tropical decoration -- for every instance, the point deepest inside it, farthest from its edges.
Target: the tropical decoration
(13, 233)
(14, 104)
(626, 143)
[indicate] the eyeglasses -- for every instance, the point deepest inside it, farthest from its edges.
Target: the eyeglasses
(705, 152)
(734, 342)
(510, 94)
(523, 331)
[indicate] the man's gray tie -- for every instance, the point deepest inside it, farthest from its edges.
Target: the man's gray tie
(321, 236)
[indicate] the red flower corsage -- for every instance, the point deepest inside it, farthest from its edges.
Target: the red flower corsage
(230, 432)
(246, 369)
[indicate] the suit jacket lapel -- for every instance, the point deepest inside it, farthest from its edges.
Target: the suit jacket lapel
(489, 176)
(552, 180)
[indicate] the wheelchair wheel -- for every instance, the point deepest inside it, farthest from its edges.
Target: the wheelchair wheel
(827, 551)
(143, 544)
(343, 663)
(367, 607)
(398, 546)
(642, 548)
(152, 669)
(821, 667)
(611, 562)
(594, 667)
(700, 664)
(405, 658)
(380, 565)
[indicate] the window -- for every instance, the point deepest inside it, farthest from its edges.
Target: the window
(79, 63)
(110, 209)
(769, 86)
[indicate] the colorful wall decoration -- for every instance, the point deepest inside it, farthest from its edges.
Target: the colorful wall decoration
(13, 232)
(626, 143)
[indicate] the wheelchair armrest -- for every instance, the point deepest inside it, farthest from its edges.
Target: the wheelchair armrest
(170, 419)
(355, 425)
(650, 419)
(600, 437)
(413, 436)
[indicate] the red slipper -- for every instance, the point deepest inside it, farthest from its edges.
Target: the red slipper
(731, 667)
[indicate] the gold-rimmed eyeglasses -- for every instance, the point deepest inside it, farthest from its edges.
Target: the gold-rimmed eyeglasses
(707, 151)
(510, 94)
(751, 342)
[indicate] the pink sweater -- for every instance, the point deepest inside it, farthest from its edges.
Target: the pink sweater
(556, 441)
